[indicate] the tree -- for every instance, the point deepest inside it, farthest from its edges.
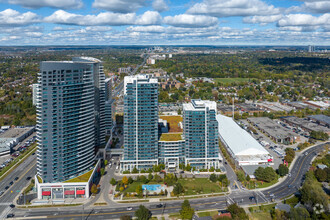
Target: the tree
(321, 175)
(102, 171)
(139, 190)
(319, 135)
(178, 189)
(267, 174)
(240, 176)
(113, 181)
(299, 213)
(143, 213)
(124, 180)
(130, 180)
(186, 211)
(237, 212)
(105, 162)
(213, 177)
(188, 167)
(135, 170)
(283, 170)
(150, 176)
(169, 179)
(125, 217)
(94, 189)
(211, 169)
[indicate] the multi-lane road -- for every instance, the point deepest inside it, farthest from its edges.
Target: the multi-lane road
(24, 170)
(242, 197)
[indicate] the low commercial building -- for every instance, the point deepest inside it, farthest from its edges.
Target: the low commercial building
(18, 134)
(274, 130)
(6, 144)
(249, 108)
(240, 144)
(305, 124)
(320, 119)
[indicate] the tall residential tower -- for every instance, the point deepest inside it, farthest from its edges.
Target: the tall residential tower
(70, 117)
(140, 122)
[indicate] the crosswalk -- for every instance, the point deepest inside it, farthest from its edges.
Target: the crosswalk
(5, 212)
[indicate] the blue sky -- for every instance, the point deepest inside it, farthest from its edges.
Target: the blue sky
(165, 22)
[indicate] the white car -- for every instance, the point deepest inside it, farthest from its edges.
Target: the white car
(117, 167)
(289, 174)
(129, 208)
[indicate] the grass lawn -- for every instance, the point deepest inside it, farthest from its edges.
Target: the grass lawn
(232, 80)
(171, 137)
(204, 214)
(260, 184)
(204, 185)
(260, 216)
(173, 122)
(82, 178)
(132, 187)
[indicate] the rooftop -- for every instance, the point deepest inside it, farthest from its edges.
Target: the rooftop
(197, 105)
(245, 145)
(173, 122)
(323, 118)
(171, 137)
(306, 124)
(82, 178)
(15, 132)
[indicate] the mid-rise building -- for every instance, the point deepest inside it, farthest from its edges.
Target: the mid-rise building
(140, 122)
(70, 117)
(34, 93)
(200, 133)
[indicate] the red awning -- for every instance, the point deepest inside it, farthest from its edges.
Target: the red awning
(46, 193)
(80, 192)
(69, 192)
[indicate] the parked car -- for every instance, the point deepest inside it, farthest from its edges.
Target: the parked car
(11, 215)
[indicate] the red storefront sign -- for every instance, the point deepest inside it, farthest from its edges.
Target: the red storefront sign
(46, 193)
(69, 192)
(80, 192)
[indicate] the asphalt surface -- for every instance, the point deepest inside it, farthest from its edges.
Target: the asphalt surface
(242, 197)
(24, 170)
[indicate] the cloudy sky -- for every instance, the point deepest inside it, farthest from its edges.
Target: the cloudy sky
(201, 22)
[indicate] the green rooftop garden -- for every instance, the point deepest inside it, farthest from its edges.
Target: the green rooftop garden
(171, 137)
(82, 178)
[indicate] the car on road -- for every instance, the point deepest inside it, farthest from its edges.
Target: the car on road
(129, 208)
(33, 153)
(16, 178)
(181, 171)
(12, 206)
(290, 186)
(159, 205)
(289, 174)
(11, 215)
(271, 195)
(28, 178)
(251, 198)
(1, 193)
(306, 153)
(11, 183)
(7, 187)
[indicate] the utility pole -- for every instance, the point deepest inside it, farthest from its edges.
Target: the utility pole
(233, 107)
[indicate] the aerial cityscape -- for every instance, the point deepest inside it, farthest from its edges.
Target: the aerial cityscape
(203, 110)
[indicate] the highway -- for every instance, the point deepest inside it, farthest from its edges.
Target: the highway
(24, 170)
(242, 197)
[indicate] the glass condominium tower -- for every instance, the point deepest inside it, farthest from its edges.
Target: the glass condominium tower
(140, 122)
(70, 117)
(200, 129)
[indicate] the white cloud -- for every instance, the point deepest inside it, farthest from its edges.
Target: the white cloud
(64, 4)
(304, 20)
(10, 17)
(105, 18)
(227, 8)
(150, 29)
(185, 20)
(262, 20)
(121, 6)
(160, 5)
(149, 18)
(318, 6)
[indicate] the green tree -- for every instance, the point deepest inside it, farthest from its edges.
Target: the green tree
(188, 167)
(142, 213)
(135, 170)
(186, 211)
(240, 175)
(299, 213)
(178, 189)
(321, 175)
(150, 177)
(130, 180)
(105, 162)
(237, 212)
(213, 177)
(113, 181)
(102, 171)
(170, 179)
(94, 189)
(267, 174)
(139, 190)
(283, 170)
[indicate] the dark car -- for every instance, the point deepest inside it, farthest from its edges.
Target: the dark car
(225, 162)
(290, 186)
(28, 178)
(181, 171)
(16, 178)
(10, 215)
(159, 205)
(251, 197)
(11, 183)
(33, 153)
(7, 187)
(12, 206)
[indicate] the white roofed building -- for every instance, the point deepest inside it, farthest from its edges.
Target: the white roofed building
(240, 144)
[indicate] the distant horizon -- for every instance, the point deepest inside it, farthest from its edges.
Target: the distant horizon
(163, 45)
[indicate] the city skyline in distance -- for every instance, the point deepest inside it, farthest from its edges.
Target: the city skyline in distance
(154, 22)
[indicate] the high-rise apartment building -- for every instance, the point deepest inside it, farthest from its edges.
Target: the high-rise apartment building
(200, 129)
(140, 122)
(109, 106)
(70, 117)
(34, 93)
